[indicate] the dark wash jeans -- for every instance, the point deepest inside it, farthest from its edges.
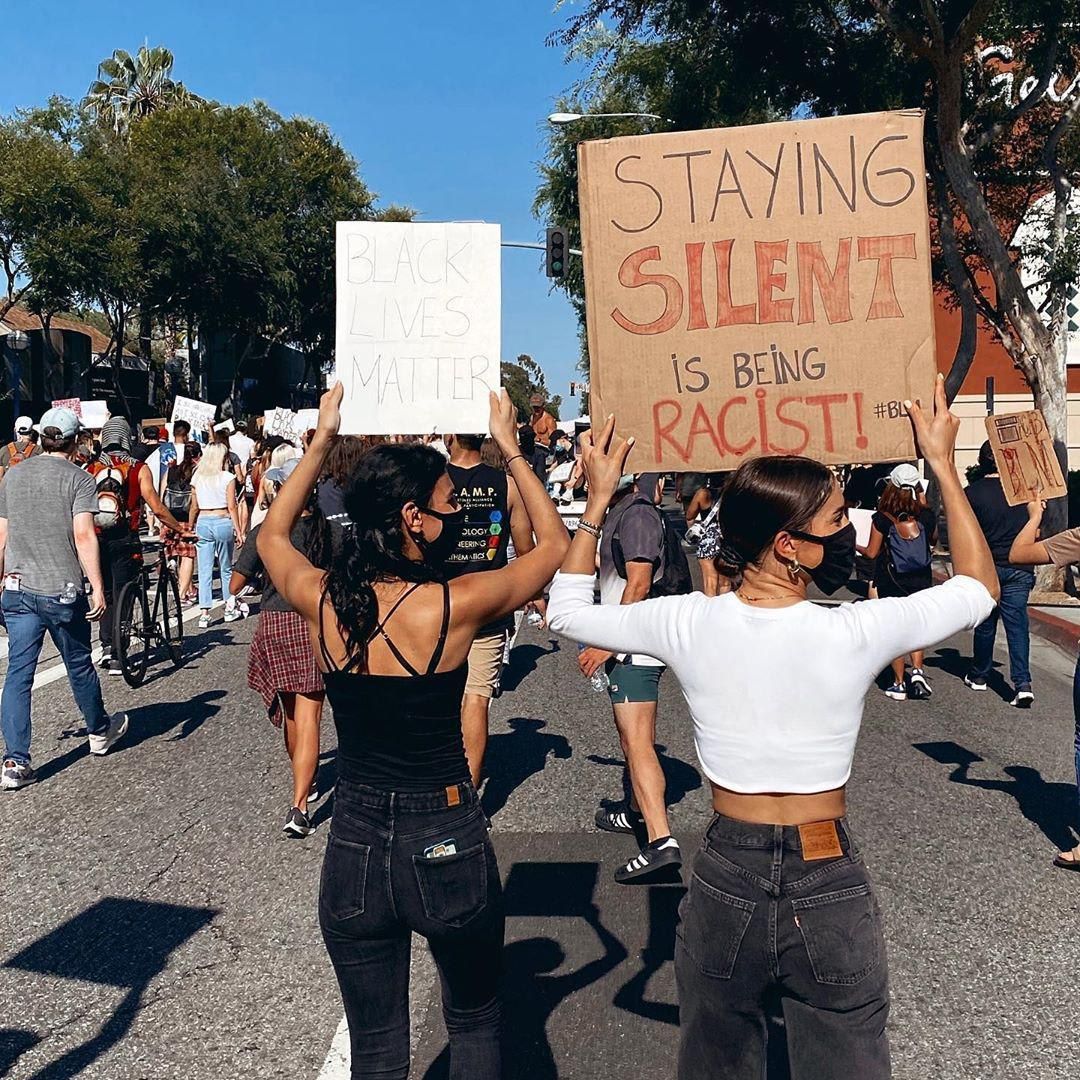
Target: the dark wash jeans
(29, 617)
(377, 887)
(1016, 586)
(757, 918)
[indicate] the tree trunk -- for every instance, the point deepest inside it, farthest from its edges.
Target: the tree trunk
(118, 361)
(146, 332)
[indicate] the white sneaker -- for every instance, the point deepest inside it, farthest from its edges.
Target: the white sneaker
(204, 622)
(237, 611)
(118, 725)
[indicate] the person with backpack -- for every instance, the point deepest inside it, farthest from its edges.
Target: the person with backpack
(180, 546)
(640, 557)
(22, 447)
(123, 485)
(903, 532)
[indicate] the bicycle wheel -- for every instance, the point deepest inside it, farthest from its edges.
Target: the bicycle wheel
(131, 634)
(168, 615)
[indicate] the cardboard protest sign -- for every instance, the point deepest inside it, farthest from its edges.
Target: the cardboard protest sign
(72, 403)
(1024, 452)
(226, 425)
(199, 414)
(281, 422)
(760, 290)
(93, 414)
(418, 330)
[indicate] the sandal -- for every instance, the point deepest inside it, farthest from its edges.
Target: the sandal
(1072, 863)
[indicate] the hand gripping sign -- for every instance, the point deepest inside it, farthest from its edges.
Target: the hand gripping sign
(760, 290)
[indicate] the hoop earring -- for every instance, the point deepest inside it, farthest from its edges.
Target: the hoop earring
(794, 567)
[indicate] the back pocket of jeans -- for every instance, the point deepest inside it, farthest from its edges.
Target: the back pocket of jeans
(344, 878)
(453, 888)
(712, 927)
(842, 933)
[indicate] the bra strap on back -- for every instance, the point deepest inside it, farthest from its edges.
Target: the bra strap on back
(436, 656)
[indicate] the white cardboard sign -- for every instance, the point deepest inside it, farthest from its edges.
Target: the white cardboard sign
(199, 414)
(418, 325)
(94, 414)
(281, 422)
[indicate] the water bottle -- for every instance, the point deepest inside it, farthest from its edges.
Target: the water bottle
(69, 593)
(598, 680)
(535, 618)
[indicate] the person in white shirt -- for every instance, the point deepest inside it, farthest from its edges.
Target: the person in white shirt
(217, 528)
(780, 900)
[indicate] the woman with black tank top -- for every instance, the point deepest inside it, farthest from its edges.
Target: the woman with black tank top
(409, 848)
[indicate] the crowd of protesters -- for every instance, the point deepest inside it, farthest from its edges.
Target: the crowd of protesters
(393, 571)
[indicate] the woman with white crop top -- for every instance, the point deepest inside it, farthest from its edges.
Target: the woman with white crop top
(780, 900)
(217, 527)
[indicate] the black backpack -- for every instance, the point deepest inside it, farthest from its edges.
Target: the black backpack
(675, 579)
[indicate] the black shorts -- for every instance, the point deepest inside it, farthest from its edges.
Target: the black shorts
(903, 584)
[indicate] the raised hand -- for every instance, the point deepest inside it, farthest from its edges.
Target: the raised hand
(604, 458)
(330, 411)
(503, 422)
(935, 434)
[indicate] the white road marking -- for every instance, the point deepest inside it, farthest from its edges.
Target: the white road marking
(58, 671)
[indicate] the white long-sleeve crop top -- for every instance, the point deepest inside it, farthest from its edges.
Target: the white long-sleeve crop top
(776, 695)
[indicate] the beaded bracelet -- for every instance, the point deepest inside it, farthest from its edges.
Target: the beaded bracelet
(590, 528)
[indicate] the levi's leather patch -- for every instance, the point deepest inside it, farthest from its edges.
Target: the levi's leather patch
(453, 795)
(820, 840)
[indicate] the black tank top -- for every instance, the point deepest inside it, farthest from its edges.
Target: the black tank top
(481, 490)
(398, 732)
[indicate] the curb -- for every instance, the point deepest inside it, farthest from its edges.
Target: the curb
(1058, 631)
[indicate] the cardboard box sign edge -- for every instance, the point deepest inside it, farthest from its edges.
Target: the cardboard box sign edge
(1058, 490)
(914, 364)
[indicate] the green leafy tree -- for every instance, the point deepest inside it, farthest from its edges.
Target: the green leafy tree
(1001, 146)
(523, 378)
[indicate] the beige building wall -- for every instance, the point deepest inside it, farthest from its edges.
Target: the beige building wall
(972, 412)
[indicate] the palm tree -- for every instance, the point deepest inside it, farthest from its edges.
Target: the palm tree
(130, 87)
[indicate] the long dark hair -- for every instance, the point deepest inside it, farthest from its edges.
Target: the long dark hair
(766, 496)
(384, 480)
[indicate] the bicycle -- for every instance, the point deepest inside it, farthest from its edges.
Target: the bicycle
(136, 626)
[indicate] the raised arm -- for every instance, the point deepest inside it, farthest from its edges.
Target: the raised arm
(293, 575)
(936, 436)
(1027, 549)
(483, 597)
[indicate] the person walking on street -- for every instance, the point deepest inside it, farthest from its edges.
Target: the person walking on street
(281, 662)
(1059, 550)
(21, 448)
(632, 555)
(47, 544)
(902, 537)
(217, 528)
(494, 514)
(409, 848)
(1001, 525)
(123, 486)
(780, 904)
(181, 546)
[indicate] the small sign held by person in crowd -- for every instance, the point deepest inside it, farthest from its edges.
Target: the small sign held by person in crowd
(1024, 452)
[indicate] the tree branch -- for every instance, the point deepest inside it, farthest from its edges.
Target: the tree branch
(989, 134)
(902, 30)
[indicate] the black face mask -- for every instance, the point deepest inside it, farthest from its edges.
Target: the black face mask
(838, 561)
(438, 550)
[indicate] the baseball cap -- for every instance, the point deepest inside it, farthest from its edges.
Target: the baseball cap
(906, 476)
(64, 420)
(24, 425)
(283, 471)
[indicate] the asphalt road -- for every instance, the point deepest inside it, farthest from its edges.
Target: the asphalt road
(156, 924)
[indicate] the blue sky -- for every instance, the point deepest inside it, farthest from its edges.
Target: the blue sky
(441, 101)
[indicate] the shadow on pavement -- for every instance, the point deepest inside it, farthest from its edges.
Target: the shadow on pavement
(538, 890)
(954, 662)
(116, 942)
(680, 778)
(145, 722)
(511, 758)
(524, 660)
(1049, 805)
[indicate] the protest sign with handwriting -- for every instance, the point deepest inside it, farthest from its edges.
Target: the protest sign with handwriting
(199, 414)
(418, 325)
(760, 290)
(1024, 453)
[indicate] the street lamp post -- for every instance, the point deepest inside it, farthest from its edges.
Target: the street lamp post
(18, 341)
(560, 119)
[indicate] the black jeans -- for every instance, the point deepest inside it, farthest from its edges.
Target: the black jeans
(759, 919)
(378, 887)
(119, 565)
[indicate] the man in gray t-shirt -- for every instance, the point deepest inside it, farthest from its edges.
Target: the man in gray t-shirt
(47, 542)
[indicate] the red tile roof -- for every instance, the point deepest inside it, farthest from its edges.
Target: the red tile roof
(18, 318)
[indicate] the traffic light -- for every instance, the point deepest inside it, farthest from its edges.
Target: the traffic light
(555, 264)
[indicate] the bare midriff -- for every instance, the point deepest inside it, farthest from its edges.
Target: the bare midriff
(773, 808)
